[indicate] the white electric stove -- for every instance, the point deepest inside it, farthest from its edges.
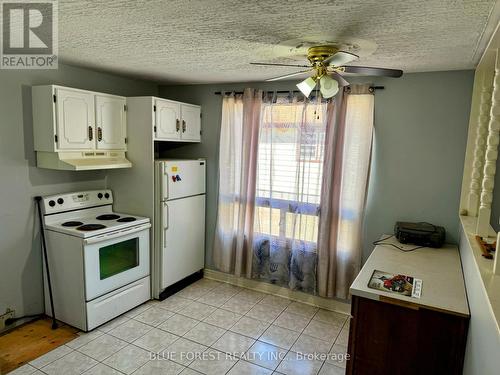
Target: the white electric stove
(99, 260)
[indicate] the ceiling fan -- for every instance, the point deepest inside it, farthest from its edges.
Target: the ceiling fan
(327, 63)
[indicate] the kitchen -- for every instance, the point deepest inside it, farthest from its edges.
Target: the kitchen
(95, 128)
(144, 150)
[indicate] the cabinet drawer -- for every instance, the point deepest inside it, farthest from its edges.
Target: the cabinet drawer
(109, 306)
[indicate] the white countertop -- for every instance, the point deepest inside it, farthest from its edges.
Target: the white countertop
(440, 269)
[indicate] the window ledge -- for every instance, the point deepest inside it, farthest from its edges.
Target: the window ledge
(490, 281)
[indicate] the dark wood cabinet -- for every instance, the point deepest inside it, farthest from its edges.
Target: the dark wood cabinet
(390, 336)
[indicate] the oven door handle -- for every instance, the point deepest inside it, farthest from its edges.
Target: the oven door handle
(123, 232)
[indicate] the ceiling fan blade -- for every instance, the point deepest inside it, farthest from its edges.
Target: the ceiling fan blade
(340, 58)
(369, 71)
(341, 80)
(289, 75)
(272, 64)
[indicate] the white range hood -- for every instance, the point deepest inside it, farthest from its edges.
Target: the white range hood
(82, 161)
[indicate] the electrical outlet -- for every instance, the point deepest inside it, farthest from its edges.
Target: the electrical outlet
(4, 317)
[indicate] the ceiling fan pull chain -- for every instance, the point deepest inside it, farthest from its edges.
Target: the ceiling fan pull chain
(318, 102)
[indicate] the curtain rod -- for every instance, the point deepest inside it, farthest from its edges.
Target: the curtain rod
(287, 91)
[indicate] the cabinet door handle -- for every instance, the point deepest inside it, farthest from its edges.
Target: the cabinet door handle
(177, 125)
(91, 133)
(99, 134)
(183, 126)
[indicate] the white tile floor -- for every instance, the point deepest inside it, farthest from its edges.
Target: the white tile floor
(208, 328)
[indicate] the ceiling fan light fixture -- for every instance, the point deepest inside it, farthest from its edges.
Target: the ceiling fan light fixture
(306, 86)
(328, 86)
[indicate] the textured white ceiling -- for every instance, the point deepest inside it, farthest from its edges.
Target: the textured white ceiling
(188, 41)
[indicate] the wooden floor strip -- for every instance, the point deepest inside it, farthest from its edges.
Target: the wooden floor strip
(30, 341)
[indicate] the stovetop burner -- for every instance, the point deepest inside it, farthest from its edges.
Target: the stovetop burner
(89, 227)
(126, 219)
(108, 217)
(71, 223)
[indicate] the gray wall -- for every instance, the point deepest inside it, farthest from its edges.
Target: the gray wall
(20, 256)
(421, 124)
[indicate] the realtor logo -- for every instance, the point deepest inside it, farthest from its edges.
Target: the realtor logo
(29, 34)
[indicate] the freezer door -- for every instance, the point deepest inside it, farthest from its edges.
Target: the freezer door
(181, 178)
(183, 238)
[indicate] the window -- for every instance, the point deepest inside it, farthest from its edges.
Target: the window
(314, 147)
(118, 257)
(289, 170)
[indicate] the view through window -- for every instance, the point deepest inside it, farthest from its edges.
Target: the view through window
(289, 170)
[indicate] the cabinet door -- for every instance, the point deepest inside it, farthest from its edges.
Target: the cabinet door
(111, 122)
(75, 119)
(168, 116)
(408, 336)
(191, 122)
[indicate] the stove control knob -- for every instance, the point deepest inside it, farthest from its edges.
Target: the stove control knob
(52, 203)
(60, 201)
(99, 195)
(106, 195)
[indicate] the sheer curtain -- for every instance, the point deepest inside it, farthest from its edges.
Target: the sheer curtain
(289, 175)
(292, 185)
(237, 166)
(343, 193)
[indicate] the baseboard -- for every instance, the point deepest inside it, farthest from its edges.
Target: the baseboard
(19, 323)
(324, 303)
(174, 288)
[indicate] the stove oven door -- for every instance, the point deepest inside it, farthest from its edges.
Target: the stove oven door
(115, 259)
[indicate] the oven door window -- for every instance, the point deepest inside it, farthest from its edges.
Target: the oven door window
(118, 257)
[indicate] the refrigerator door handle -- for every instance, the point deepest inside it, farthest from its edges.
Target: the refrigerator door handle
(163, 183)
(166, 181)
(166, 219)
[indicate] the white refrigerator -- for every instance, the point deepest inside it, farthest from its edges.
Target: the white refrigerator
(180, 220)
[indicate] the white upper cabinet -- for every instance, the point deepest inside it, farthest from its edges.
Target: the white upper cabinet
(66, 119)
(175, 121)
(191, 122)
(75, 119)
(111, 122)
(167, 120)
